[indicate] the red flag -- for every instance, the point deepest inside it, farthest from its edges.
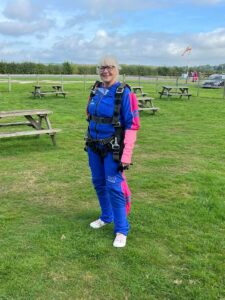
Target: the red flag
(187, 50)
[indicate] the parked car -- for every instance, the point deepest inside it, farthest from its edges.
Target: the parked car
(214, 81)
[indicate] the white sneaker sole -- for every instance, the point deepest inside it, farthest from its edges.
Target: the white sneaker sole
(97, 224)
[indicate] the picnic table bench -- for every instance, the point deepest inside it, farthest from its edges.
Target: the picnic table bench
(56, 89)
(138, 91)
(175, 90)
(34, 118)
(146, 103)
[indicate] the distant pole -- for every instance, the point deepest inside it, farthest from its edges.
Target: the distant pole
(186, 53)
(62, 79)
(84, 82)
(124, 78)
(9, 83)
(224, 90)
(37, 79)
(139, 77)
(187, 75)
(157, 81)
(198, 85)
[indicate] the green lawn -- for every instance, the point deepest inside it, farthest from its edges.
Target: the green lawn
(176, 246)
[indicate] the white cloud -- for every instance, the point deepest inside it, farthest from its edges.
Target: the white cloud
(211, 40)
(156, 50)
(23, 10)
(16, 28)
(83, 30)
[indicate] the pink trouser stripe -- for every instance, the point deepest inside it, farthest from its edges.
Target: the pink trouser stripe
(126, 193)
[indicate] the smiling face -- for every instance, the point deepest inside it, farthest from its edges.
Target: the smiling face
(108, 71)
(108, 74)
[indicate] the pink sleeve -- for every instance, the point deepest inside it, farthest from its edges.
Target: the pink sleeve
(129, 141)
(131, 133)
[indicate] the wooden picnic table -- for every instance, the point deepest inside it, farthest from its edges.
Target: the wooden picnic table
(56, 89)
(138, 90)
(175, 90)
(146, 103)
(34, 118)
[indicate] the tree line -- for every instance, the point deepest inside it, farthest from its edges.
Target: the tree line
(71, 68)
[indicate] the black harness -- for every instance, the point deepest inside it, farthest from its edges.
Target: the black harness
(114, 143)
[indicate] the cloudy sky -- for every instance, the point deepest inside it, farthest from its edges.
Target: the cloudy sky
(149, 32)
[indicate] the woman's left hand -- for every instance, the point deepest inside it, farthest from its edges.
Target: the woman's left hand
(125, 165)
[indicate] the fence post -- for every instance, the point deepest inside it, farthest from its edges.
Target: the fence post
(9, 83)
(157, 82)
(186, 80)
(224, 90)
(139, 79)
(62, 81)
(198, 86)
(84, 82)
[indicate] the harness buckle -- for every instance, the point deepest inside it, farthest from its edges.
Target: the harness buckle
(119, 90)
(114, 144)
(117, 124)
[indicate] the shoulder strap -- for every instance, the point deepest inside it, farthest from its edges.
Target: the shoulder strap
(117, 144)
(95, 86)
(92, 93)
(118, 100)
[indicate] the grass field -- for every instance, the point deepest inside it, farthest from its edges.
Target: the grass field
(176, 246)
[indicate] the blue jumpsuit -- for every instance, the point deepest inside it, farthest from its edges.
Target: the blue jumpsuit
(110, 184)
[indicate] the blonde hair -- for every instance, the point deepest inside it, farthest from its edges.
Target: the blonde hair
(109, 61)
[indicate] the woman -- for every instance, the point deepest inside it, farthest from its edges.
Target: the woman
(113, 123)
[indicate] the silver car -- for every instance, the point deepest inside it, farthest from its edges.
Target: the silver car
(214, 81)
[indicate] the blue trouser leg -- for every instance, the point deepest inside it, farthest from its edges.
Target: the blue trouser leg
(98, 178)
(114, 181)
(108, 185)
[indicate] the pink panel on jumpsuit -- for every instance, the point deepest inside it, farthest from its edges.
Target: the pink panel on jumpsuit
(134, 110)
(126, 193)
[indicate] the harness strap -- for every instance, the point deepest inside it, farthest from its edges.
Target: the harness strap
(100, 141)
(119, 132)
(93, 91)
(101, 120)
(114, 143)
(94, 145)
(94, 88)
(117, 106)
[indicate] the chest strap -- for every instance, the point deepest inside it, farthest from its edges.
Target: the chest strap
(101, 120)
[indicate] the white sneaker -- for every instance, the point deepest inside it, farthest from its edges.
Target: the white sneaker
(97, 224)
(120, 240)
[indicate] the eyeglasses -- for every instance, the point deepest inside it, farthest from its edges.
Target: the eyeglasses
(107, 68)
